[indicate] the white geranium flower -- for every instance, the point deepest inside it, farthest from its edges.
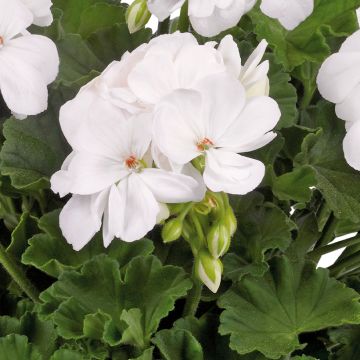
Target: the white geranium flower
(110, 176)
(339, 82)
(217, 122)
(290, 13)
(208, 17)
(41, 10)
(28, 63)
(253, 74)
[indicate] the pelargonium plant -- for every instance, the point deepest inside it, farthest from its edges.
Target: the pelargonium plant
(172, 194)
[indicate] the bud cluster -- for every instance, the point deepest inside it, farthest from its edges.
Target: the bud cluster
(208, 227)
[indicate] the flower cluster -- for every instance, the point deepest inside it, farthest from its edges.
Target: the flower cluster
(28, 63)
(209, 18)
(162, 126)
(339, 82)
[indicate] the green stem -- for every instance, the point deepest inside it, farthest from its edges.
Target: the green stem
(164, 27)
(309, 91)
(329, 231)
(336, 246)
(184, 23)
(352, 261)
(198, 227)
(193, 298)
(18, 275)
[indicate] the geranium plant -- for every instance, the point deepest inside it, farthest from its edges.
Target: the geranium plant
(169, 194)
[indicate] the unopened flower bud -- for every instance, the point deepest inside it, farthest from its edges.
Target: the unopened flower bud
(208, 270)
(207, 205)
(230, 221)
(137, 15)
(218, 239)
(172, 230)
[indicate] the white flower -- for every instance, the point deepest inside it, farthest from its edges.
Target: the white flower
(40, 10)
(208, 17)
(28, 63)
(110, 176)
(339, 82)
(217, 122)
(253, 74)
(290, 13)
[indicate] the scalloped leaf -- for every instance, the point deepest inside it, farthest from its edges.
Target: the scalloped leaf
(268, 314)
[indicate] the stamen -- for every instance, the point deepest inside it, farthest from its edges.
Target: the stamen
(132, 162)
(204, 144)
(1, 41)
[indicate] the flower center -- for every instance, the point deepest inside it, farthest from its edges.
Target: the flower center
(204, 144)
(134, 164)
(1, 42)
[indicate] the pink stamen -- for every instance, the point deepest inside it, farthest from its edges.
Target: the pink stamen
(204, 144)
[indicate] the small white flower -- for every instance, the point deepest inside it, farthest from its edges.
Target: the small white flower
(253, 74)
(339, 82)
(290, 13)
(208, 17)
(217, 122)
(41, 10)
(28, 63)
(110, 177)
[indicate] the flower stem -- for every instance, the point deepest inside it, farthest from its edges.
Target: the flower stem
(18, 275)
(332, 247)
(193, 298)
(184, 24)
(164, 27)
(329, 231)
(352, 262)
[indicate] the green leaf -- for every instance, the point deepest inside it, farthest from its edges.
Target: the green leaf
(34, 149)
(49, 252)
(348, 337)
(177, 344)
(261, 227)
(79, 16)
(26, 227)
(100, 288)
(134, 332)
(16, 347)
(65, 354)
(284, 93)
(9, 325)
(308, 41)
(323, 152)
(146, 355)
(267, 314)
(295, 185)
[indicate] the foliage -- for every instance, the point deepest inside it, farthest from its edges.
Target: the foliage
(129, 301)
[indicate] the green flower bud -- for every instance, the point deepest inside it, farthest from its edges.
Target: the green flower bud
(208, 270)
(230, 220)
(207, 205)
(218, 239)
(137, 15)
(172, 230)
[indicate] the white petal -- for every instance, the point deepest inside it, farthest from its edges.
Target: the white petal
(169, 187)
(349, 109)
(249, 4)
(230, 54)
(90, 173)
(22, 86)
(80, 219)
(290, 13)
(232, 173)
(223, 99)
(260, 115)
(352, 43)
(351, 146)
(140, 209)
(201, 8)
(61, 180)
(163, 8)
(178, 125)
(39, 51)
(338, 76)
(219, 20)
(15, 17)
(41, 11)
